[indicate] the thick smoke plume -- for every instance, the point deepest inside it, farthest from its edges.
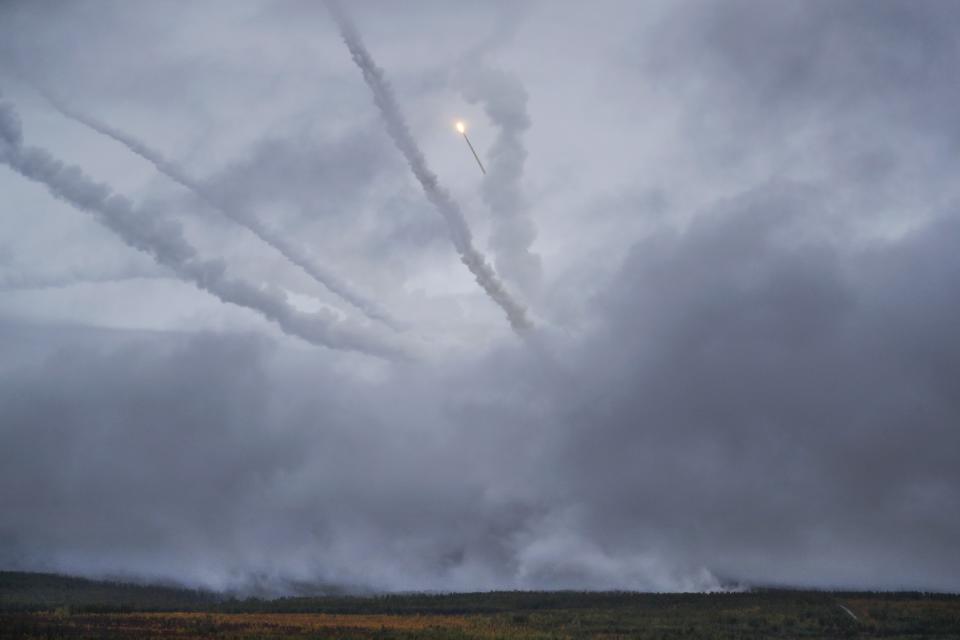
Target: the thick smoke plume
(247, 219)
(164, 240)
(505, 101)
(400, 133)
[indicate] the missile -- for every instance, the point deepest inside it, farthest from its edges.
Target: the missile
(462, 128)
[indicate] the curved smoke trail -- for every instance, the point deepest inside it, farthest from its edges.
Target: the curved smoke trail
(246, 219)
(163, 239)
(505, 101)
(460, 234)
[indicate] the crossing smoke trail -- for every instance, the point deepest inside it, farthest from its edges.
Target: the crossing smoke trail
(247, 219)
(441, 199)
(505, 101)
(163, 239)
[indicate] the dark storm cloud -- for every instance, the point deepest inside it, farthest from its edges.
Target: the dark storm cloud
(762, 406)
(773, 411)
(764, 389)
(760, 68)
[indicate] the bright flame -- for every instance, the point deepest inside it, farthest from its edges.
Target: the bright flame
(462, 128)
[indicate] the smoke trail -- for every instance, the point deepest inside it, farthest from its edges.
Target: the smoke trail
(26, 282)
(505, 102)
(441, 199)
(163, 239)
(247, 219)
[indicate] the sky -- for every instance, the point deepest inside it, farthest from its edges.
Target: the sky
(240, 347)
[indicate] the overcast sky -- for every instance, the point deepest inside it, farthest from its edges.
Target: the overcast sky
(735, 226)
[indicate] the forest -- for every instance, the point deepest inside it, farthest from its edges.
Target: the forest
(50, 606)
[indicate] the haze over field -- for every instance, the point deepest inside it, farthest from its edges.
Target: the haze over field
(695, 326)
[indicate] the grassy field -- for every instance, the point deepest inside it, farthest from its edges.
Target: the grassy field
(36, 606)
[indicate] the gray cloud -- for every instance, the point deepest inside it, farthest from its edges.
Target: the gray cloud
(752, 260)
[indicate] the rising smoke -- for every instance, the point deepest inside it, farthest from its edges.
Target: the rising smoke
(397, 127)
(247, 219)
(505, 101)
(164, 240)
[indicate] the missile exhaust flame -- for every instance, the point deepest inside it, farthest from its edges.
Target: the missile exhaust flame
(462, 128)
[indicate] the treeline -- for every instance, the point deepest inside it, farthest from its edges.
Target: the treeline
(24, 592)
